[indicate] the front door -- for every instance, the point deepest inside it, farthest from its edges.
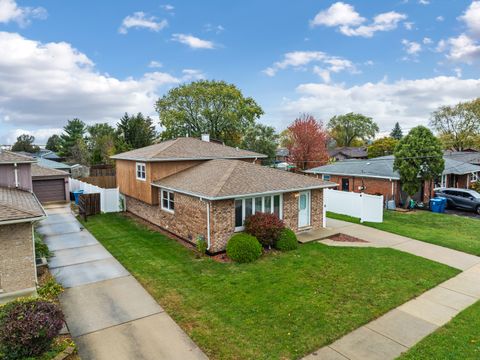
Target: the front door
(345, 184)
(304, 209)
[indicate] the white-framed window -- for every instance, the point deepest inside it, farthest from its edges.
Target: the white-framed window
(168, 200)
(474, 177)
(141, 171)
(326, 177)
(443, 182)
(247, 206)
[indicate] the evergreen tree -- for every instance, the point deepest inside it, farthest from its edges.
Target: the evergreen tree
(74, 131)
(396, 133)
(135, 131)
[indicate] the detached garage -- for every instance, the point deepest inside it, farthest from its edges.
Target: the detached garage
(50, 185)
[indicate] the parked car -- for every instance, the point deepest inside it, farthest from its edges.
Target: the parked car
(460, 198)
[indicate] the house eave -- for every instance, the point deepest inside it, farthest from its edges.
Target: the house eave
(352, 175)
(23, 220)
(260, 156)
(236, 196)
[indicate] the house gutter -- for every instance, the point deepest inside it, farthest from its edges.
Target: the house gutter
(16, 174)
(17, 221)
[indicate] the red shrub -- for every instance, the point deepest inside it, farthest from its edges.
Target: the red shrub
(265, 227)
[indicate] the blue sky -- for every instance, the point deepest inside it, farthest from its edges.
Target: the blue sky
(392, 60)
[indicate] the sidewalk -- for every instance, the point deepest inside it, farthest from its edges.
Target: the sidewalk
(109, 314)
(395, 332)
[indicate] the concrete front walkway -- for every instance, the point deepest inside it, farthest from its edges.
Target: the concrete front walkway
(108, 313)
(395, 332)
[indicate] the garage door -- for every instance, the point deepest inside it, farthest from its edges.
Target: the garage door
(49, 190)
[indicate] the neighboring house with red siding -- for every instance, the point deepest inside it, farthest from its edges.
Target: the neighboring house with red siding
(199, 189)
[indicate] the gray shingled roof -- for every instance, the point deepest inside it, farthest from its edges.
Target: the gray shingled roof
(382, 167)
(186, 149)
(352, 152)
(53, 164)
(17, 205)
(9, 157)
(223, 179)
(41, 171)
(471, 157)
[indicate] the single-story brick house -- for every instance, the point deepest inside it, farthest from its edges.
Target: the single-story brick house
(195, 188)
(377, 177)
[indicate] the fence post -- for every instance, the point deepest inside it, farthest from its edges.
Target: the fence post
(362, 207)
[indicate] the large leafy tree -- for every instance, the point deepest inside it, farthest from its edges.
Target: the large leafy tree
(25, 143)
(418, 158)
(308, 142)
(458, 126)
(73, 134)
(135, 131)
(262, 139)
(396, 133)
(53, 143)
(207, 107)
(101, 143)
(349, 128)
(382, 147)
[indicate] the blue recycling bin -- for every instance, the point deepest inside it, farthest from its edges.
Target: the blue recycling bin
(444, 202)
(436, 205)
(76, 195)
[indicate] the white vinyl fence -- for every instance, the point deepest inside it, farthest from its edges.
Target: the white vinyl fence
(363, 206)
(109, 198)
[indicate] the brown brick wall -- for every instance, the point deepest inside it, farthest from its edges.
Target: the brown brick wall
(188, 221)
(17, 263)
(190, 217)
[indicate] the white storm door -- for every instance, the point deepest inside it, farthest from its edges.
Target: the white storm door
(304, 209)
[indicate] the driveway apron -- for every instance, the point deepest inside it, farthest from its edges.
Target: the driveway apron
(109, 314)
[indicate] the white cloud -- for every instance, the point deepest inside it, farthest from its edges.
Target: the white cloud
(408, 25)
(458, 72)
(193, 42)
(155, 64)
(350, 23)
(382, 22)
(471, 18)
(11, 12)
(192, 75)
(462, 49)
(300, 59)
(440, 18)
(41, 135)
(424, 2)
(167, 7)
(411, 47)
(139, 20)
(42, 85)
(408, 101)
(338, 14)
(427, 41)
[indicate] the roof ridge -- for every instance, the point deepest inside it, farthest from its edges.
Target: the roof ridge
(225, 176)
(173, 141)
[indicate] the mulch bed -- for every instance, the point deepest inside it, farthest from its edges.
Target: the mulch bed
(346, 238)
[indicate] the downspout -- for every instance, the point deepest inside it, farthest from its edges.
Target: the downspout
(16, 174)
(208, 225)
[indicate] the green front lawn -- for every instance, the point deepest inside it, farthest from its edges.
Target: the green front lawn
(455, 232)
(283, 306)
(458, 339)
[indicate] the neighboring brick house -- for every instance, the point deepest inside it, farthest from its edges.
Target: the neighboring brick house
(377, 177)
(194, 188)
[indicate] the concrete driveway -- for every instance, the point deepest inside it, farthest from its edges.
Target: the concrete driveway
(108, 312)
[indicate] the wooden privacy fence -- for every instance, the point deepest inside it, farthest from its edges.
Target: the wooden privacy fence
(106, 182)
(102, 170)
(89, 204)
(109, 198)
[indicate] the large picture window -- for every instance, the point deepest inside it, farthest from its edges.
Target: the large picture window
(168, 200)
(141, 171)
(249, 206)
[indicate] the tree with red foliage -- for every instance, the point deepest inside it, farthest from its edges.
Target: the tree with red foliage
(307, 143)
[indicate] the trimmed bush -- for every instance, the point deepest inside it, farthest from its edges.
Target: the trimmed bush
(287, 240)
(28, 327)
(265, 227)
(243, 248)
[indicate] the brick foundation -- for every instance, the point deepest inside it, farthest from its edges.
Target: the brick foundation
(17, 263)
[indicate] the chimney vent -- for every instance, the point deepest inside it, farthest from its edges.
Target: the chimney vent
(206, 137)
